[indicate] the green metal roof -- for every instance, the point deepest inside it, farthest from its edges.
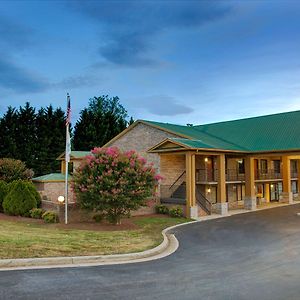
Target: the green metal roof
(79, 154)
(265, 133)
(75, 155)
(51, 177)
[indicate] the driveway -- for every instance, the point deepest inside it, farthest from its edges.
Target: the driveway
(248, 256)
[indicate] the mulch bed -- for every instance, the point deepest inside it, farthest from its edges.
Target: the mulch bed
(126, 224)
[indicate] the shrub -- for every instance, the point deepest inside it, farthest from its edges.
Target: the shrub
(35, 193)
(3, 192)
(161, 209)
(50, 217)
(19, 201)
(13, 169)
(36, 213)
(98, 218)
(176, 212)
(113, 182)
(31, 188)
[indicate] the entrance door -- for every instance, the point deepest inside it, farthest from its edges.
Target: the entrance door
(275, 190)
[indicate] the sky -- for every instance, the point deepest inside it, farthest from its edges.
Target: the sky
(170, 61)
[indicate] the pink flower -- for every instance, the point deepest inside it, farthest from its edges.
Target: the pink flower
(112, 151)
(158, 177)
(142, 160)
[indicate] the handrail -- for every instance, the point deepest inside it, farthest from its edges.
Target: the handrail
(177, 180)
(203, 201)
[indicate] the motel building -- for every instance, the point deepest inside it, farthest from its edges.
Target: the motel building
(211, 168)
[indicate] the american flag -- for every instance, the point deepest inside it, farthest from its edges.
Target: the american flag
(68, 120)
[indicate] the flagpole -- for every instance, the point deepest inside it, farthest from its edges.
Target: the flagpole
(66, 178)
(67, 155)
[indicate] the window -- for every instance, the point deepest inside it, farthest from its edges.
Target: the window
(294, 166)
(264, 166)
(241, 166)
(276, 164)
(294, 187)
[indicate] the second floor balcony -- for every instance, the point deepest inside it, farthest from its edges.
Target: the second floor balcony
(211, 175)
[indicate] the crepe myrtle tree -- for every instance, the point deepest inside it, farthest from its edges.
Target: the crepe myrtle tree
(114, 182)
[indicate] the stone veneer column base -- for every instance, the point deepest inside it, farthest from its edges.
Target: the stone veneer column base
(222, 208)
(286, 198)
(250, 203)
(194, 212)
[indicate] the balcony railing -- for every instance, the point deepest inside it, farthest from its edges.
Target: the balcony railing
(267, 174)
(211, 175)
(294, 174)
(206, 175)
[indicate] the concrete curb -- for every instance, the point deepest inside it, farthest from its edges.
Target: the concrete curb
(168, 246)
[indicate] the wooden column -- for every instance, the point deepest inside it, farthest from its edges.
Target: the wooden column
(287, 195)
(222, 205)
(267, 192)
(298, 173)
(221, 193)
(63, 167)
(190, 183)
(250, 197)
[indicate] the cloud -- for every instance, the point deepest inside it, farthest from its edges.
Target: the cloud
(14, 35)
(129, 27)
(13, 77)
(74, 82)
(14, 38)
(162, 105)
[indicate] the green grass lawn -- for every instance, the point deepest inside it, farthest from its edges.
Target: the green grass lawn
(24, 239)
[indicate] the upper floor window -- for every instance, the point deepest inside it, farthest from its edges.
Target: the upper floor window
(264, 166)
(241, 166)
(294, 166)
(276, 164)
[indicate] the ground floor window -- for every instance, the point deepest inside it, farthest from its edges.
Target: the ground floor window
(235, 192)
(275, 191)
(294, 187)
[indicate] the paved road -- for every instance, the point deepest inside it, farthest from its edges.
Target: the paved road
(248, 256)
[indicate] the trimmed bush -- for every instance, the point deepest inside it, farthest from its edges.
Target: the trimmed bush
(161, 209)
(50, 217)
(35, 193)
(19, 201)
(176, 212)
(36, 213)
(31, 188)
(98, 218)
(3, 192)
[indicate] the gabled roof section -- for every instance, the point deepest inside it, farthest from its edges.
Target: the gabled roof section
(277, 132)
(75, 155)
(266, 133)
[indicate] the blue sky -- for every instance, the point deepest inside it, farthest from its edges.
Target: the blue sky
(172, 61)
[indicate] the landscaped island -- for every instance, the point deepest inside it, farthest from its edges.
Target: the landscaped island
(24, 237)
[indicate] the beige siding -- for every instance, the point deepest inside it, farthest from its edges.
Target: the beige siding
(171, 167)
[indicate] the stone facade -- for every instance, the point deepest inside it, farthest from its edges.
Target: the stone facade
(141, 138)
(50, 191)
(171, 167)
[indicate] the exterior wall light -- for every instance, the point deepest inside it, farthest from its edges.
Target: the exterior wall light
(272, 185)
(61, 199)
(206, 159)
(208, 190)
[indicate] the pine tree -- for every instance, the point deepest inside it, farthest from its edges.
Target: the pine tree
(26, 135)
(8, 128)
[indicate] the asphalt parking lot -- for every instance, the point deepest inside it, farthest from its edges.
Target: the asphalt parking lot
(248, 256)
